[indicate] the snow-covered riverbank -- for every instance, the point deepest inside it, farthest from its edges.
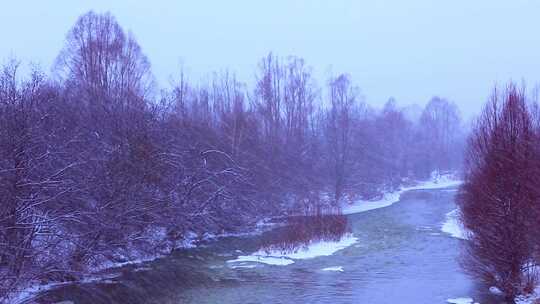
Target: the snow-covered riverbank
(437, 182)
(453, 226)
(313, 250)
(326, 248)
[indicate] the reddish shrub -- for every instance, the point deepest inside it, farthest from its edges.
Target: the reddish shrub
(498, 198)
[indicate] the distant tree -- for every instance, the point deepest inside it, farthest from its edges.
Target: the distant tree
(300, 94)
(269, 94)
(499, 196)
(95, 169)
(229, 105)
(102, 60)
(394, 135)
(439, 130)
(343, 98)
(284, 104)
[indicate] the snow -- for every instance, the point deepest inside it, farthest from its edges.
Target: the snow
(30, 292)
(34, 289)
(275, 257)
(243, 266)
(135, 257)
(313, 250)
(112, 265)
(334, 268)
(453, 226)
(278, 261)
(437, 182)
(530, 298)
(142, 269)
(324, 248)
(363, 205)
(496, 291)
(460, 301)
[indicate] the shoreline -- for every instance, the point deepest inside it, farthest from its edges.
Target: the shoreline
(27, 295)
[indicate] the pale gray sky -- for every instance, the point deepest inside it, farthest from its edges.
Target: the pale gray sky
(411, 49)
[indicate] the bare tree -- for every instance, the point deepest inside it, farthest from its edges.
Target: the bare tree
(440, 129)
(298, 99)
(394, 138)
(34, 179)
(269, 98)
(94, 169)
(498, 199)
(343, 97)
(104, 61)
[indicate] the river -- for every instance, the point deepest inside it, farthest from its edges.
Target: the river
(401, 256)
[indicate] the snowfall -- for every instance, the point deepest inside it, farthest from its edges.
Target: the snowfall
(451, 226)
(322, 248)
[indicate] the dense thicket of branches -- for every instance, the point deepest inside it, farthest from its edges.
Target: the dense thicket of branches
(94, 168)
(499, 199)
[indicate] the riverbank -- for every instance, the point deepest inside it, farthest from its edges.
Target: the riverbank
(389, 198)
(315, 250)
(324, 248)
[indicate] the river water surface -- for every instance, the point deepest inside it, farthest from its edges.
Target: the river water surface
(401, 256)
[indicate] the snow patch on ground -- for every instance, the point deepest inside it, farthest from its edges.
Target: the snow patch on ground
(30, 292)
(460, 301)
(334, 268)
(324, 248)
(437, 182)
(530, 298)
(453, 226)
(34, 288)
(363, 205)
(313, 250)
(138, 261)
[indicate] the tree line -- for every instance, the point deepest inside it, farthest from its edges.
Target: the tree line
(96, 165)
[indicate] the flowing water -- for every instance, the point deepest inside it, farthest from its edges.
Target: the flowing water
(401, 257)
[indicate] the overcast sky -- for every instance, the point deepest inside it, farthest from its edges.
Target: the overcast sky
(410, 50)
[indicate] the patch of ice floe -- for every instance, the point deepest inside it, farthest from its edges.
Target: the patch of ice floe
(461, 301)
(313, 250)
(333, 268)
(269, 260)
